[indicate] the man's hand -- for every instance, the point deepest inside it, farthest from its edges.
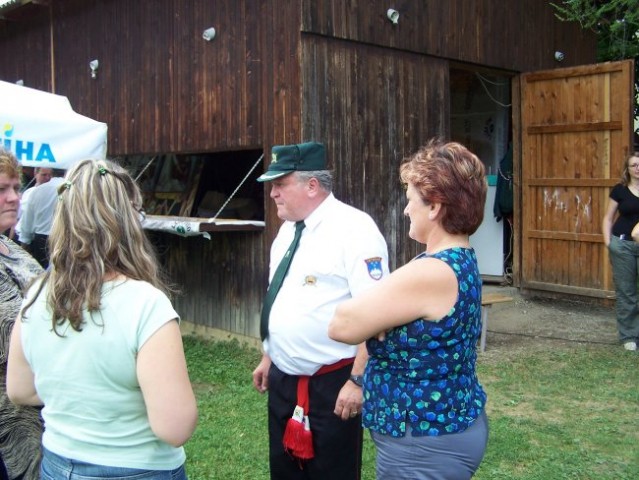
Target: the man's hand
(260, 374)
(349, 401)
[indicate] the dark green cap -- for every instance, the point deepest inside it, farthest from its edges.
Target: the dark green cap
(303, 157)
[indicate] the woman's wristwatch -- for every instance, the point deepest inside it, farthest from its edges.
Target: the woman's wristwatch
(357, 379)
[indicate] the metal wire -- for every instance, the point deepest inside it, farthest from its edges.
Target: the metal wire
(238, 187)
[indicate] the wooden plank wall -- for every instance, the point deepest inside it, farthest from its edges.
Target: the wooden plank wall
(364, 116)
(372, 107)
(160, 86)
(277, 72)
(221, 287)
(225, 278)
(518, 36)
(25, 52)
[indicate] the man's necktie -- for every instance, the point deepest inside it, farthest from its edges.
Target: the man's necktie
(278, 279)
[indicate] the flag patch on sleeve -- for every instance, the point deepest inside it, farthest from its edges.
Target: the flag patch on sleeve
(374, 266)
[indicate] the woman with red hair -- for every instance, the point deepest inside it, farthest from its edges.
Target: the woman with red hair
(423, 402)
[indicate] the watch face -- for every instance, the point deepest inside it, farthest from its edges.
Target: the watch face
(357, 380)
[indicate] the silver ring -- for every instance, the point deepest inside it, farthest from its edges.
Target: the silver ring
(353, 413)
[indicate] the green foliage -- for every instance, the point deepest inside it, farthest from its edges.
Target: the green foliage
(616, 23)
(563, 412)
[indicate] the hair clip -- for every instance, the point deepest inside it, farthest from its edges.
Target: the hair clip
(102, 170)
(64, 186)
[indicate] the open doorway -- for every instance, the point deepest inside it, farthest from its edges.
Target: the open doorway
(480, 118)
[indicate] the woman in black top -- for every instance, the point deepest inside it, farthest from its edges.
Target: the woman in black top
(619, 220)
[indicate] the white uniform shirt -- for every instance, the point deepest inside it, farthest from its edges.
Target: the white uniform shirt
(341, 253)
(24, 202)
(37, 217)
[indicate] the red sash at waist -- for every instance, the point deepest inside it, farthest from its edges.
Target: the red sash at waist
(297, 434)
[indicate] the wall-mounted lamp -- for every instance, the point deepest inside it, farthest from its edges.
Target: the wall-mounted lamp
(93, 65)
(393, 15)
(559, 56)
(208, 34)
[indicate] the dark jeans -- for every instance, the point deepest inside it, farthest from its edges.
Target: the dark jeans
(337, 443)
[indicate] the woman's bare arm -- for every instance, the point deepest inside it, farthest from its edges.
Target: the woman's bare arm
(20, 379)
(164, 380)
(423, 288)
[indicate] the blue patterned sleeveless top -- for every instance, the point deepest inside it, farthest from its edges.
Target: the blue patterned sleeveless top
(423, 373)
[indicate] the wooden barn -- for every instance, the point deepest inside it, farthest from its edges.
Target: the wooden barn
(195, 93)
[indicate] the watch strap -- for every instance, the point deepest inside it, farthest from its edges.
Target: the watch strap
(357, 379)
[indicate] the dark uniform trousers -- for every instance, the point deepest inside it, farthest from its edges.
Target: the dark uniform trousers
(39, 249)
(337, 442)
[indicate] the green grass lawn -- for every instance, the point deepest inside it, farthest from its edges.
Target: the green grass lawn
(561, 412)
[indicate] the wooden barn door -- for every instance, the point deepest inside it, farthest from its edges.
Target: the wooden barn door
(576, 130)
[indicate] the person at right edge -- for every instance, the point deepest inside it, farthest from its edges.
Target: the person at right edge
(314, 383)
(619, 220)
(423, 403)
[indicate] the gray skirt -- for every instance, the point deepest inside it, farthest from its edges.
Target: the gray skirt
(446, 457)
